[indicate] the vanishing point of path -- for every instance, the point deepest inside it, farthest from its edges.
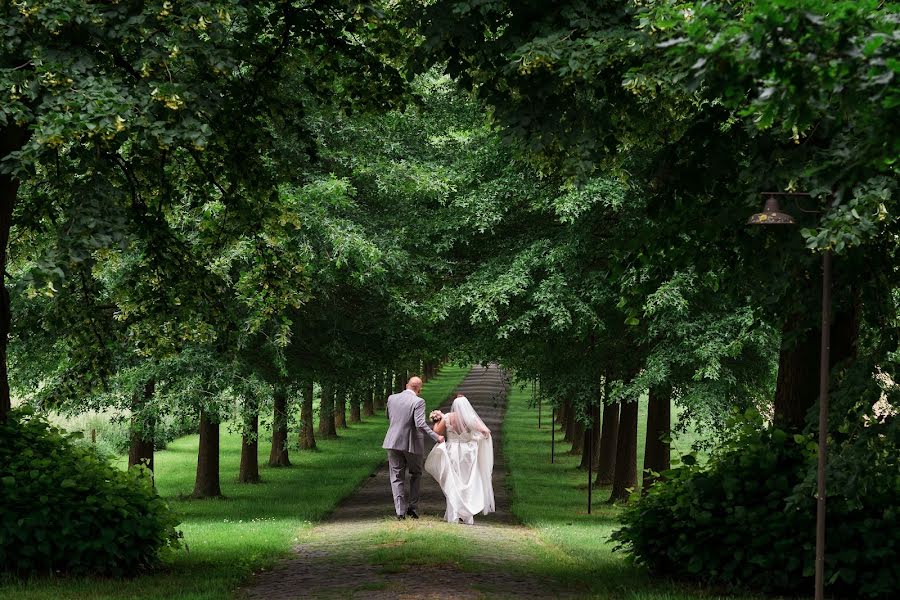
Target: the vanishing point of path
(361, 551)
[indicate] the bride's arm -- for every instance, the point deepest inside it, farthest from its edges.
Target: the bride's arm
(440, 427)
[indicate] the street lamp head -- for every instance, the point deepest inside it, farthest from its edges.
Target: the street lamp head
(771, 214)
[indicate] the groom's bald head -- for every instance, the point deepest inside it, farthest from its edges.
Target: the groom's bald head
(414, 384)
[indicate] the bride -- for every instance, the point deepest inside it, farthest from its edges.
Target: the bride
(462, 465)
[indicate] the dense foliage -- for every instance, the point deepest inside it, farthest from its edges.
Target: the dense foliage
(65, 509)
(747, 516)
(219, 211)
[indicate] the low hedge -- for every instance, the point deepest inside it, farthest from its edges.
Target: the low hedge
(746, 518)
(67, 510)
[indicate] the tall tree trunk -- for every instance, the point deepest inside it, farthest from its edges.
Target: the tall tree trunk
(609, 433)
(340, 408)
(140, 451)
(399, 381)
(356, 397)
(561, 416)
(326, 412)
(659, 428)
(384, 390)
(12, 138)
(207, 482)
(307, 431)
(797, 387)
(797, 383)
(625, 475)
(249, 470)
(570, 421)
(577, 438)
(278, 456)
(369, 401)
(591, 446)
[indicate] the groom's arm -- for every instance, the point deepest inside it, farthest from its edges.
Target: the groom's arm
(419, 416)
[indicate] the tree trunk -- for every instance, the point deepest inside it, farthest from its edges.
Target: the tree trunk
(625, 475)
(659, 428)
(12, 138)
(797, 387)
(798, 382)
(356, 396)
(326, 412)
(561, 416)
(609, 433)
(340, 408)
(249, 470)
(278, 456)
(384, 391)
(570, 421)
(207, 482)
(399, 381)
(307, 431)
(140, 452)
(369, 401)
(577, 438)
(591, 445)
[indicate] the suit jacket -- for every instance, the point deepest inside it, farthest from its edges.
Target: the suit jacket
(406, 414)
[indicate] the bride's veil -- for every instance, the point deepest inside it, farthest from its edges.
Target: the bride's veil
(467, 420)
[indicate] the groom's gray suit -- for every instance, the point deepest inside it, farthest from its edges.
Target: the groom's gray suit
(405, 445)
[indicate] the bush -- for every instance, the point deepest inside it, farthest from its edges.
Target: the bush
(65, 509)
(113, 429)
(747, 518)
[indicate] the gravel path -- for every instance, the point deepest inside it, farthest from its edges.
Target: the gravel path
(361, 551)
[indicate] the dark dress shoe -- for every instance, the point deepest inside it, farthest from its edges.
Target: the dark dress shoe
(413, 514)
(401, 517)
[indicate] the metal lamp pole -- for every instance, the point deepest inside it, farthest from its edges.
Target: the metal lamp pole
(824, 360)
(772, 215)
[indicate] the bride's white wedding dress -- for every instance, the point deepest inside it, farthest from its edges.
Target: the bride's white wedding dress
(462, 465)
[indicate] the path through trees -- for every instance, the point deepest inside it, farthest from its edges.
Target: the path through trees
(361, 551)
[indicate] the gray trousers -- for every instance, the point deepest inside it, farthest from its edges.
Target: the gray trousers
(398, 462)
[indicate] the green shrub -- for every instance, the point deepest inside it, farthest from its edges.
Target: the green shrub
(113, 429)
(65, 509)
(747, 518)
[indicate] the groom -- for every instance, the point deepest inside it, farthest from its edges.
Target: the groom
(405, 445)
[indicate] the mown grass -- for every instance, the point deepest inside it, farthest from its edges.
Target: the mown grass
(253, 525)
(552, 499)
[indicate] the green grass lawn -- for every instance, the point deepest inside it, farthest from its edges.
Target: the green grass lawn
(253, 525)
(552, 499)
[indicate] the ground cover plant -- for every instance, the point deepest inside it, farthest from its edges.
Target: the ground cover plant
(747, 517)
(67, 511)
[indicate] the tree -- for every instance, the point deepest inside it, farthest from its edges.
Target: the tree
(148, 90)
(278, 457)
(654, 90)
(656, 444)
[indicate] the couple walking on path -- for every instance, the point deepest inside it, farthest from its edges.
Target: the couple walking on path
(461, 463)
(371, 552)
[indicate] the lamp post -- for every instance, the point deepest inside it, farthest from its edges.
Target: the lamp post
(772, 215)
